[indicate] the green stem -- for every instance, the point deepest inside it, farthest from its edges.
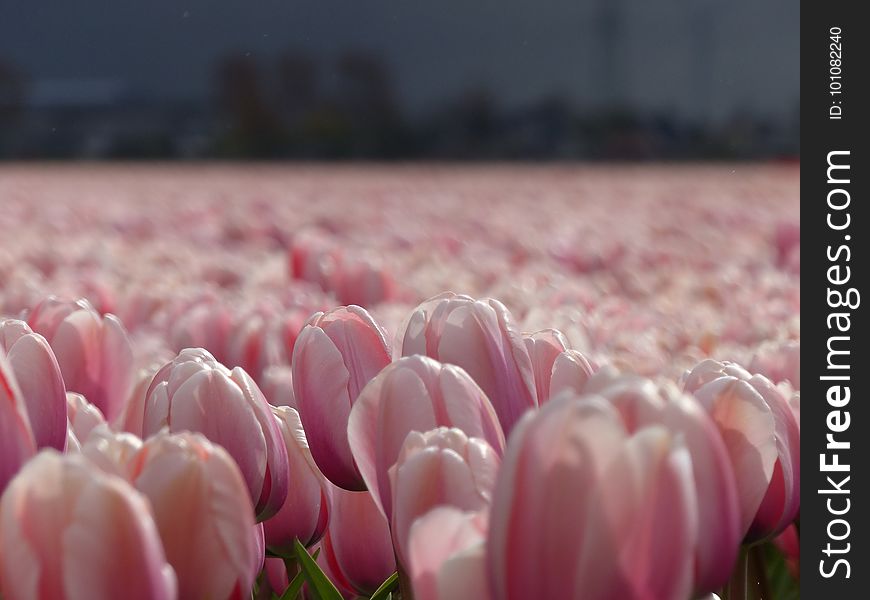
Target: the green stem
(291, 563)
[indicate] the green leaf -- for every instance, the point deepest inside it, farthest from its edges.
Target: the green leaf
(385, 591)
(292, 591)
(294, 588)
(783, 586)
(319, 583)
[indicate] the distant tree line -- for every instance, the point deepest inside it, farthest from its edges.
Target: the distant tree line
(295, 108)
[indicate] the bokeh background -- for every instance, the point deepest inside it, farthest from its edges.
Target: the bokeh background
(390, 79)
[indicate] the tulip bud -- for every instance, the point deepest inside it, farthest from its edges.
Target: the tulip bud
(305, 513)
(584, 509)
(544, 347)
(39, 379)
(571, 370)
(130, 419)
(83, 417)
(203, 324)
(335, 356)
(762, 438)
(69, 530)
(556, 366)
(277, 386)
(203, 513)
(357, 545)
(479, 336)
(313, 257)
(641, 403)
(362, 281)
(447, 555)
(253, 344)
(414, 393)
(111, 451)
(440, 467)
(93, 351)
(194, 392)
(48, 314)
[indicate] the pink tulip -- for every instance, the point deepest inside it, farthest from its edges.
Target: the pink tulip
(641, 403)
(277, 386)
(414, 393)
(253, 344)
(48, 314)
(289, 326)
(710, 370)
(39, 379)
(276, 575)
(544, 347)
(440, 467)
(447, 555)
(130, 419)
(314, 257)
(335, 356)
(585, 509)
(571, 370)
(204, 323)
(363, 282)
(111, 451)
(194, 392)
(556, 366)
(305, 513)
(357, 546)
(17, 443)
(93, 351)
(203, 513)
(479, 336)
(83, 418)
(68, 530)
(762, 438)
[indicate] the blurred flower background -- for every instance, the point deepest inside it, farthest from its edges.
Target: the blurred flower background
(600, 321)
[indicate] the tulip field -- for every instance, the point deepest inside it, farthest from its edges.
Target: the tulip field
(503, 382)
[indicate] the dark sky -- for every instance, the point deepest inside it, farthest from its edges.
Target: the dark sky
(713, 56)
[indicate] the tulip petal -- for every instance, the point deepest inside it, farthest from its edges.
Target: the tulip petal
(39, 379)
